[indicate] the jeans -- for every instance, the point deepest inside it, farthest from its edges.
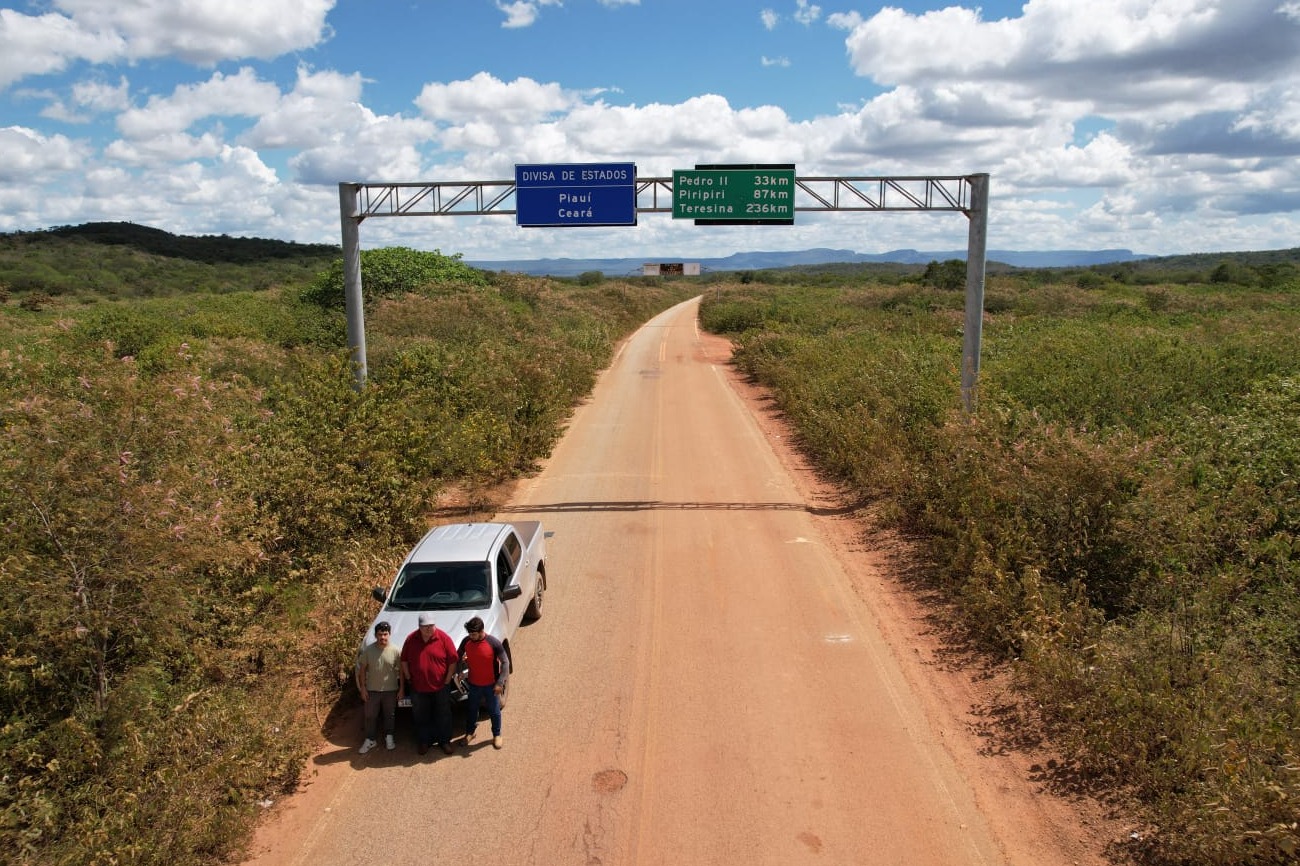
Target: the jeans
(432, 716)
(387, 702)
(482, 695)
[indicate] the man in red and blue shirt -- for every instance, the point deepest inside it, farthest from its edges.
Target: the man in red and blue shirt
(489, 670)
(428, 664)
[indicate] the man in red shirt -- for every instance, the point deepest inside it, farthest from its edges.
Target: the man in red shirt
(489, 670)
(428, 664)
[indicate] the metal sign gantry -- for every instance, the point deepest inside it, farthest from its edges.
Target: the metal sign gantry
(821, 194)
(965, 194)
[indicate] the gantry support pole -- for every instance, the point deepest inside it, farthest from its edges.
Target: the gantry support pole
(351, 221)
(976, 244)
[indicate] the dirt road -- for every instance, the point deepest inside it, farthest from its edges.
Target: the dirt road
(719, 676)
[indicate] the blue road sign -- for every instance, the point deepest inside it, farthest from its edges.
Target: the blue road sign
(576, 194)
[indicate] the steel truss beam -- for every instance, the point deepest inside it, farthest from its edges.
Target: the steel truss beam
(655, 195)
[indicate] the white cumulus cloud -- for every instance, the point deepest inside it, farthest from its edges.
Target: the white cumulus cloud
(204, 31)
(26, 154)
(241, 94)
(321, 107)
(1157, 125)
(195, 31)
(484, 97)
(99, 96)
(35, 45)
(807, 13)
(523, 13)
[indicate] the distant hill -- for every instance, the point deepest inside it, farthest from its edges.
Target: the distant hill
(1205, 261)
(758, 261)
(117, 259)
(205, 248)
(124, 259)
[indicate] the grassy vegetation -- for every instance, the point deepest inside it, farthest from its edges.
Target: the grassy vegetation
(1268, 269)
(1120, 518)
(194, 500)
(122, 260)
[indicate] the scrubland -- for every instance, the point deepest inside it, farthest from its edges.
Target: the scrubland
(1119, 519)
(195, 497)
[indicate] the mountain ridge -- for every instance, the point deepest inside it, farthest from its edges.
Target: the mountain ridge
(767, 260)
(29, 251)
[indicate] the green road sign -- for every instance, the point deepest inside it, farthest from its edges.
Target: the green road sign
(745, 194)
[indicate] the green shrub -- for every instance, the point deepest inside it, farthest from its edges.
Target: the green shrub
(126, 575)
(35, 301)
(128, 329)
(393, 271)
(1090, 280)
(1233, 273)
(730, 315)
(949, 275)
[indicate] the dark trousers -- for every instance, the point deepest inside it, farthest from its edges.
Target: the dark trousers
(483, 695)
(380, 702)
(432, 716)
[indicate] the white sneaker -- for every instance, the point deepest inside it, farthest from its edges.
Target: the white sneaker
(367, 746)
(388, 742)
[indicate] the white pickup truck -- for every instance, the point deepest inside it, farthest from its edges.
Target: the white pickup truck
(495, 571)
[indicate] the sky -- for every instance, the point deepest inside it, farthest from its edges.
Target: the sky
(1158, 126)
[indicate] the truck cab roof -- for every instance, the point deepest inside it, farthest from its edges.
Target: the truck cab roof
(459, 542)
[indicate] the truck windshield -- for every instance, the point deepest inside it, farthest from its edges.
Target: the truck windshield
(439, 586)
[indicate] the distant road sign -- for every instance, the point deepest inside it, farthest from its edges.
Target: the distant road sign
(734, 195)
(576, 194)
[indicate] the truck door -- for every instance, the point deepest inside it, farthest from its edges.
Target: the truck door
(510, 570)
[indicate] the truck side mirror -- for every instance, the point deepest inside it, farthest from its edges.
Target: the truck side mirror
(379, 595)
(514, 590)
